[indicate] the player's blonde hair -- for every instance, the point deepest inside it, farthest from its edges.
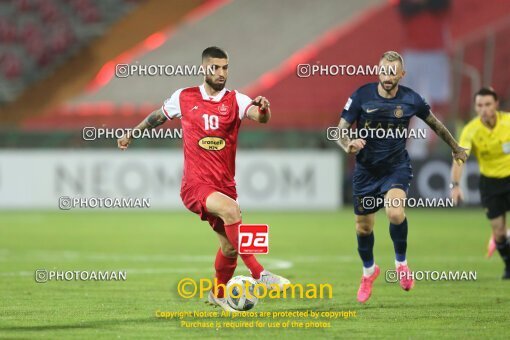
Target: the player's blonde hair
(392, 56)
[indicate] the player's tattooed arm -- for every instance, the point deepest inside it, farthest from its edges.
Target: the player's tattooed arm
(456, 192)
(459, 153)
(259, 111)
(155, 119)
(349, 146)
(344, 139)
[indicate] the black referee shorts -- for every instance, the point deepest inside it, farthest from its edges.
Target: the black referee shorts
(495, 195)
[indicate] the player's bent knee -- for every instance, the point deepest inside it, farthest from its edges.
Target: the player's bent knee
(499, 231)
(363, 229)
(231, 213)
(395, 215)
(229, 251)
(500, 237)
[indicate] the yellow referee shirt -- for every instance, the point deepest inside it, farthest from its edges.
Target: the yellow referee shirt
(491, 147)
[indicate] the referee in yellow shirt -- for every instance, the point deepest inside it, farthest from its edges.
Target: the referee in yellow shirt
(488, 137)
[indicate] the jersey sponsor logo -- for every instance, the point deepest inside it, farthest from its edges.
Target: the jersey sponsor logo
(398, 112)
(222, 109)
(372, 110)
(377, 125)
(212, 143)
(348, 104)
(194, 108)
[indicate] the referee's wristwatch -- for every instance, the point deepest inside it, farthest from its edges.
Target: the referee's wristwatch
(454, 184)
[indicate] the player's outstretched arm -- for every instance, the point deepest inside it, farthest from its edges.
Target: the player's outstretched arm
(458, 153)
(259, 111)
(349, 146)
(156, 118)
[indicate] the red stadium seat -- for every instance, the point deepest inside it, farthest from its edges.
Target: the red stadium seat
(11, 66)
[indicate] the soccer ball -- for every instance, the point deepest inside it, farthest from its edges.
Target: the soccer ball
(240, 298)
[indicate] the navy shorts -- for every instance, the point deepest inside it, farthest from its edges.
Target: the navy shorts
(370, 185)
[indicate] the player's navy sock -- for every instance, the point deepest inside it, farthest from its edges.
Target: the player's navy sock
(225, 267)
(232, 231)
(504, 250)
(398, 233)
(366, 249)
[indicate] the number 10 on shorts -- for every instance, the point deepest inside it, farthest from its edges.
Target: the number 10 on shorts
(253, 239)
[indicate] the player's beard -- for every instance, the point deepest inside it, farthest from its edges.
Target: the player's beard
(215, 86)
(393, 85)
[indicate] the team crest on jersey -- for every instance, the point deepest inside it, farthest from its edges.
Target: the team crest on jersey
(212, 143)
(223, 108)
(398, 112)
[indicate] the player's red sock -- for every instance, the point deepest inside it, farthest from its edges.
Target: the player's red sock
(225, 267)
(249, 260)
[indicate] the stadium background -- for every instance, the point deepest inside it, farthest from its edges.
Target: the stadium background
(57, 76)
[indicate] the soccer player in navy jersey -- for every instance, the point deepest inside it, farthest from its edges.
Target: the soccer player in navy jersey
(383, 170)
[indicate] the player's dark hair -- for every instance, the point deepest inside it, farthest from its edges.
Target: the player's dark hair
(214, 52)
(487, 91)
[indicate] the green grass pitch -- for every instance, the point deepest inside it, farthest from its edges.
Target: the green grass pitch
(157, 249)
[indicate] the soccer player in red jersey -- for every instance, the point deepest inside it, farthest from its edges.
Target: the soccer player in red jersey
(211, 116)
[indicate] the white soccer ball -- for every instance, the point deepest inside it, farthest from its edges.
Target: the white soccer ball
(241, 294)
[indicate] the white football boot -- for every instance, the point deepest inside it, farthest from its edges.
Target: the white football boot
(217, 301)
(273, 281)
